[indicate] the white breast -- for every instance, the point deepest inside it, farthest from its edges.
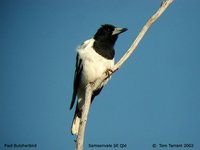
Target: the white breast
(94, 65)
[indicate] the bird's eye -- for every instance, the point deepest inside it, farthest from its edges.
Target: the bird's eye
(108, 30)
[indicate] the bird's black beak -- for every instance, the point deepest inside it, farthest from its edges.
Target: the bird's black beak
(119, 30)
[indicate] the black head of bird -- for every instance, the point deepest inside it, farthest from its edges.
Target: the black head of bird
(108, 33)
(105, 39)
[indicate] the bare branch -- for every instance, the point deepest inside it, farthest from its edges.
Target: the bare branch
(162, 8)
(91, 87)
(81, 132)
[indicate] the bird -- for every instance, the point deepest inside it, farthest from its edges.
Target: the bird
(94, 57)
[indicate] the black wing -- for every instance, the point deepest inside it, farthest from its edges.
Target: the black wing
(77, 78)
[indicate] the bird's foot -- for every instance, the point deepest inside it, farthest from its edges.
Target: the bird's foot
(92, 83)
(109, 72)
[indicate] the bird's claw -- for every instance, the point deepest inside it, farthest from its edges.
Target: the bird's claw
(92, 83)
(109, 72)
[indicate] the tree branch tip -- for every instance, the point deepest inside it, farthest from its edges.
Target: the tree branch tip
(164, 2)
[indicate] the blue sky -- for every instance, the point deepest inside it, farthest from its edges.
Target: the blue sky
(153, 99)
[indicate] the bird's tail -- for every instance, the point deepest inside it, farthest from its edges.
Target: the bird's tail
(76, 121)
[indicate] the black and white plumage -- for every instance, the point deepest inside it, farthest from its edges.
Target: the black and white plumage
(94, 57)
